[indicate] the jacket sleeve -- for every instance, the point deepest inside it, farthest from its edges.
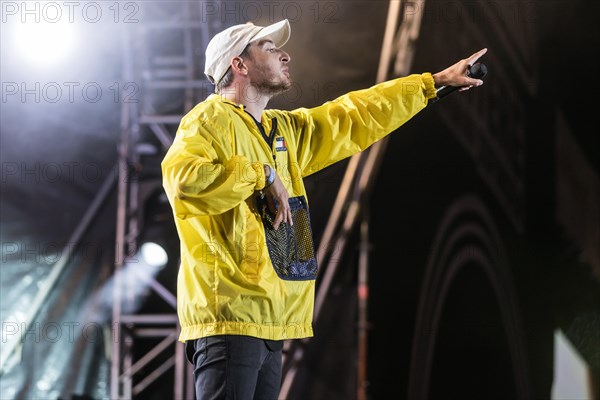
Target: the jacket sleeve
(351, 123)
(202, 176)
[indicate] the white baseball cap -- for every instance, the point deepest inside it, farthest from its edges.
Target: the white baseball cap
(231, 42)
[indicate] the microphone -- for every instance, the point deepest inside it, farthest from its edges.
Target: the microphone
(477, 71)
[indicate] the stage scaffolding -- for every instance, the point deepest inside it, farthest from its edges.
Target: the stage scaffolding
(163, 58)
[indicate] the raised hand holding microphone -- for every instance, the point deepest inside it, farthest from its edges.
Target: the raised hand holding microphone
(461, 76)
(477, 71)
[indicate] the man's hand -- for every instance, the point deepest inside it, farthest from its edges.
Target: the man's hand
(456, 75)
(276, 191)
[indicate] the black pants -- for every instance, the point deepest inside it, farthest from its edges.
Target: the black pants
(235, 367)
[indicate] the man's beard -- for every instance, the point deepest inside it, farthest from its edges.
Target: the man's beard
(266, 83)
(272, 88)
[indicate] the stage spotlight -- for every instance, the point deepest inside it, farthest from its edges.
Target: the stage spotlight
(154, 255)
(43, 43)
(136, 278)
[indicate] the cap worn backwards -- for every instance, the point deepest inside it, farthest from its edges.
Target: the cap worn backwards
(231, 42)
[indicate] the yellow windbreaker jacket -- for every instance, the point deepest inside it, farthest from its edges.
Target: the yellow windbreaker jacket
(211, 174)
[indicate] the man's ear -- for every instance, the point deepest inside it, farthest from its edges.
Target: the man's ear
(237, 65)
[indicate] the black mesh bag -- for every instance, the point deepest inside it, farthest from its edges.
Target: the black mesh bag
(291, 248)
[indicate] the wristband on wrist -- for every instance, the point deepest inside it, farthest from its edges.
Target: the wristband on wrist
(271, 178)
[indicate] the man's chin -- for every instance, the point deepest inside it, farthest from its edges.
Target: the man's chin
(277, 88)
(287, 85)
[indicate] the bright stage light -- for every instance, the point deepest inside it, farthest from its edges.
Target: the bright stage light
(154, 255)
(44, 43)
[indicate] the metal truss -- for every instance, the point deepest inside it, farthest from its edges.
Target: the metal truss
(162, 80)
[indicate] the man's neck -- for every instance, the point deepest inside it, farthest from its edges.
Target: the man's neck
(253, 101)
